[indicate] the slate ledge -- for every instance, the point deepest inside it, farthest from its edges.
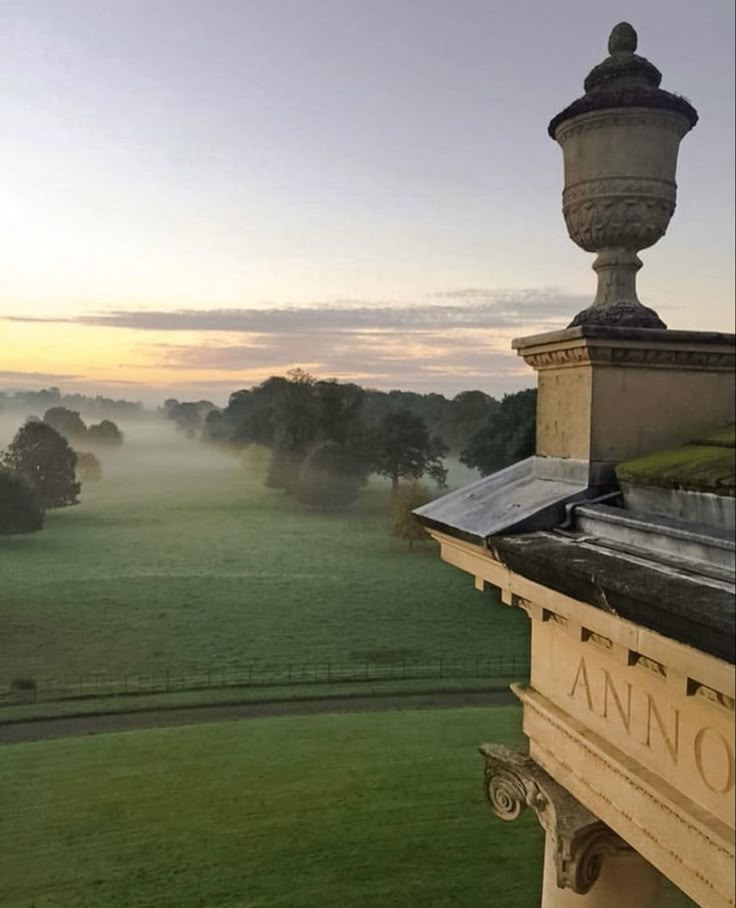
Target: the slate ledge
(529, 495)
(698, 614)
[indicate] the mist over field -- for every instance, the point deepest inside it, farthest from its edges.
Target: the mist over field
(152, 450)
(180, 560)
(157, 457)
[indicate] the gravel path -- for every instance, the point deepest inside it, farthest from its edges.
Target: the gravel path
(75, 726)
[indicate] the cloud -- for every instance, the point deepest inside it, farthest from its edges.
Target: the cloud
(465, 308)
(451, 341)
(381, 359)
(7, 375)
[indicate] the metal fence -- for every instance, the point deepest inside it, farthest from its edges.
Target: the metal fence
(260, 675)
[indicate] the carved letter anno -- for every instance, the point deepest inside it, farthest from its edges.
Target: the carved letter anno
(672, 744)
(727, 785)
(608, 687)
(581, 679)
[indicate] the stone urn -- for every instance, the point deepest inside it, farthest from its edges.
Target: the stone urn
(620, 143)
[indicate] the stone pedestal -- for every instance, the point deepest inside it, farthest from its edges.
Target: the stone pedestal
(607, 395)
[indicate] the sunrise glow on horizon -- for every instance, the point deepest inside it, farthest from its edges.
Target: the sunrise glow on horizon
(197, 196)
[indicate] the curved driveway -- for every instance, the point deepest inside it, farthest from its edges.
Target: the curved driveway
(95, 724)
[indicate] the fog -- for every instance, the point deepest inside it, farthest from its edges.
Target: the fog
(153, 453)
(157, 456)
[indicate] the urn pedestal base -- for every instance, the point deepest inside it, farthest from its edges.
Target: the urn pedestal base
(616, 302)
(622, 314)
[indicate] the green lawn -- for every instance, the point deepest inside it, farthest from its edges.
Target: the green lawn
(344, 811)
(181, 560)
(334, 811)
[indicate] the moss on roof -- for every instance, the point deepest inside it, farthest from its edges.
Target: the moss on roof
(722, 438)
(707, 464)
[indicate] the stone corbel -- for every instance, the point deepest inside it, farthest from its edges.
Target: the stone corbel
(581, 842)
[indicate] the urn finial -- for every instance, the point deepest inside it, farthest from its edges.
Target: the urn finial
(620, 142)
(623, 40)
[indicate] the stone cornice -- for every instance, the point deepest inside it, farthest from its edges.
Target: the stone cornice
(513, 782)
(587, 621)
(643, 348)
(641, 357)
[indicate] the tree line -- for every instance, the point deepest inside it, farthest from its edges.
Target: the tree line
(98, 406)
(40, 470)
(326, 437)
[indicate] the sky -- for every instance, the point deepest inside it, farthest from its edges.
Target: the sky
(197, 194)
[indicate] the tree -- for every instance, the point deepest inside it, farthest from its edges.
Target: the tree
(467, 413)
(89, 468)
(105, 433)
(20, 508)
(248, 412)
(339, 409)
(327, 479)
(296, 411)
(295, 417)
(46, 461)
(294, 420)
(507, 437)
(216, 428)
(404, 524)
(66, 422)
(403, 448)
(187, 418)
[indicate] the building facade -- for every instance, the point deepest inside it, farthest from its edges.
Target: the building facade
(616, 539)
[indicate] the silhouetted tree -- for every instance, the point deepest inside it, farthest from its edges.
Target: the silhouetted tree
(295, 421)
(66, 422)
(339, 409)
(297, 411)
(466, 414)
(43, 457)
(247, 417)
(507, 437)
(404, 449)
(295, 415)
(189, 416)
(216, 427)
(104, 433)
(20, 508)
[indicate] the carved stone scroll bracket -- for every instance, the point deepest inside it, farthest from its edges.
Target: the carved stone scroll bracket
(582, 842)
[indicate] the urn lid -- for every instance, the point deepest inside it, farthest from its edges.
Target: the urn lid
(624, 79)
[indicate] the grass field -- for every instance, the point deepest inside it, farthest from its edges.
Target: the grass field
(329, 811)
(181, 560)
(373, 810)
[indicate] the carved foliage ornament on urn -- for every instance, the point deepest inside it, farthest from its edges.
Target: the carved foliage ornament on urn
(619, 143)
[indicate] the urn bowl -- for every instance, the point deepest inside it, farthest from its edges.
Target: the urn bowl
(619, 168)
